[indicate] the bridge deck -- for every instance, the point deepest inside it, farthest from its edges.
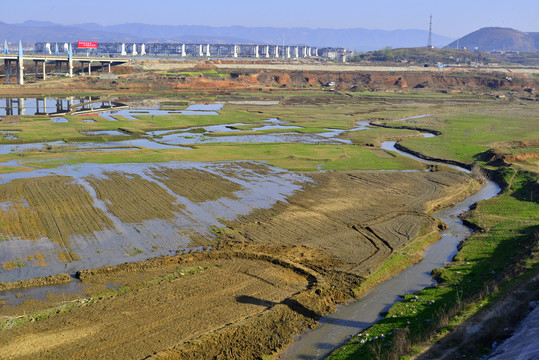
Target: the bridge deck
(41, 57)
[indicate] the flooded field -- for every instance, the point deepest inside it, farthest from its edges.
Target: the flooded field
(75, 217)
(130, 212)
(200, 109)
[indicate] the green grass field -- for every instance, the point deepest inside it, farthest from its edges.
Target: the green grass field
(466, 135)
(297, 157)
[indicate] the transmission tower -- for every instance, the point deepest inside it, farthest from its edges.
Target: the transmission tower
(429, 45)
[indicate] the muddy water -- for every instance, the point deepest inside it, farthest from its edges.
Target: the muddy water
(351, 319)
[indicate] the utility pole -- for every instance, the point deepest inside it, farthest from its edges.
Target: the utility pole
(283, 45)
(429, 45)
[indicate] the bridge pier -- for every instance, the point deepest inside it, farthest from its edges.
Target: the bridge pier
(103, 66)
(20, 72)
(89, 67)
(43, 68)
(70, 61)
(20, 66)
(7, 71)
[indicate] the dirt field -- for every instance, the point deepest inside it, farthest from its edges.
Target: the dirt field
(149, 76)
(268, 277)
(358, 218)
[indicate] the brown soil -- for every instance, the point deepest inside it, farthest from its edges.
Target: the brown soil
(359, 218)
(156, 314)
(207, 186)
(134, 199)
(269, 277)
(136, 77)
(40, 281)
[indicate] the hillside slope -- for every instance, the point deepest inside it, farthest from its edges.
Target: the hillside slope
(497, 38)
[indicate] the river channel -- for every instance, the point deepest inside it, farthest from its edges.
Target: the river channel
(357, 316)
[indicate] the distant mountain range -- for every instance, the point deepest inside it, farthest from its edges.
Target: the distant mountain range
(496, 38)
(358, 39)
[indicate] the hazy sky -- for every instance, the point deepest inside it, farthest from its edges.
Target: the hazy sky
(452, 18)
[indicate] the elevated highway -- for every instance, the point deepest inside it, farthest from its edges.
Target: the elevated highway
(14, 64)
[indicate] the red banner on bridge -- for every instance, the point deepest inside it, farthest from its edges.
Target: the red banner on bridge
(87, 45)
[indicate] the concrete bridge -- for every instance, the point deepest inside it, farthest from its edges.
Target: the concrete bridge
(14, 64)
(197, 50)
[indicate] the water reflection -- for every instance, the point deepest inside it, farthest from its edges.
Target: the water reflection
(52, 106)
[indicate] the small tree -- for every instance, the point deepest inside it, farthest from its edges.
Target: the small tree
(388, 54)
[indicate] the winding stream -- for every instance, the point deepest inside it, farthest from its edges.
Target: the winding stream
(337, 328)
